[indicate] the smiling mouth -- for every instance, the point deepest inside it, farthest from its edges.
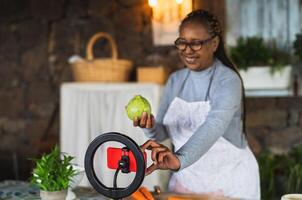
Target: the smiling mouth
(190, 60)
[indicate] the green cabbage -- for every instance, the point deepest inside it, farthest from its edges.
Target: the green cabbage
(136, 106)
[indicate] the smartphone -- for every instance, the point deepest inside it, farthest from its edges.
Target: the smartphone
(115, 154)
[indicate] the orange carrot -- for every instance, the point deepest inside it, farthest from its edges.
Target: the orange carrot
(146, 193)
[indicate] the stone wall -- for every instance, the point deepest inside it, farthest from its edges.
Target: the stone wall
(274, 123)
(36, 39)
(38, 36)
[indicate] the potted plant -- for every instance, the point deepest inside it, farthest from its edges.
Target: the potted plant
(52, 174)
(280, 174)
(262, 66)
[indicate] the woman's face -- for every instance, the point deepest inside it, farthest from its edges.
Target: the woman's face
(197, 59)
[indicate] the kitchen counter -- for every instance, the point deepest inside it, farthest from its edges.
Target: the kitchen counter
(17, 190)
(171, 196)
(162, 196)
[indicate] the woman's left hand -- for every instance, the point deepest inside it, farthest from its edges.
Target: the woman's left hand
(162, 156)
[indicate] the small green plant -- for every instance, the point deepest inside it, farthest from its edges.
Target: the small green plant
(298, 46)
(253, 51)
(53, 172)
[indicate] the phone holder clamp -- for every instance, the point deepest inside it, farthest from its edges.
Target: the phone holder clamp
(125, 160)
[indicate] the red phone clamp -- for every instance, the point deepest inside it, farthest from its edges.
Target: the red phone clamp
(123, 163)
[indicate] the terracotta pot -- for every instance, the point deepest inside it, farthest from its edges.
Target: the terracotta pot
(56, 195)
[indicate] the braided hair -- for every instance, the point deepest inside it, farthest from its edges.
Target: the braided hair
(212, 25)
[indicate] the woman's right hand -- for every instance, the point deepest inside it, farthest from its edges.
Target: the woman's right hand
(146, 121)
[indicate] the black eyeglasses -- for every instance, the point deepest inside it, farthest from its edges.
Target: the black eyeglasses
(195, 45)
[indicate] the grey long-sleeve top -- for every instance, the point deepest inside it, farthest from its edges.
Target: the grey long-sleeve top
(224, 118)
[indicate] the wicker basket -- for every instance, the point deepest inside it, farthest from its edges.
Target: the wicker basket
(150, 74)
(101, 69)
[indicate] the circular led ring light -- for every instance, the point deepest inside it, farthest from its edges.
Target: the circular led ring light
(139, 159)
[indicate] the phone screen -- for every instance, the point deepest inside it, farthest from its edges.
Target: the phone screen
(115, 154)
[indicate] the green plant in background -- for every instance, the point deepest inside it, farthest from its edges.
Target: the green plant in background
(52, 171)
(294, 171)
(267, 167)
(280, 174)
(298, 46)
(253, 51)
(249, 51)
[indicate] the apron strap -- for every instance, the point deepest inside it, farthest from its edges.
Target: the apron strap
(211, 80)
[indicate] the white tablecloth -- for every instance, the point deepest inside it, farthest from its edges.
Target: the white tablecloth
(91, 109)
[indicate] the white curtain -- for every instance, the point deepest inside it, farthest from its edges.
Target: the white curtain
(269, 19)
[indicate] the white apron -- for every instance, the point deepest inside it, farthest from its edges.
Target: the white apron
(223, 170)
